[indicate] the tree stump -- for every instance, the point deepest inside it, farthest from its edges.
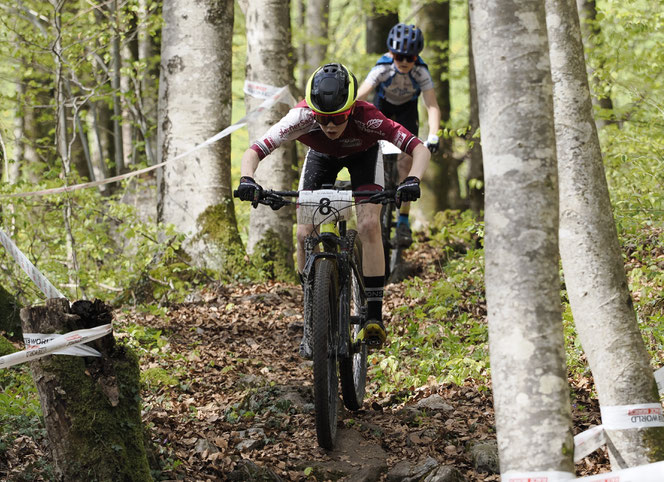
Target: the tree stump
(91, 405)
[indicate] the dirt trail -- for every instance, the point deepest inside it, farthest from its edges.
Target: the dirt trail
(241, 407)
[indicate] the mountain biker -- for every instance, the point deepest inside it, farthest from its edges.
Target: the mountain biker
(342, 132)
(400, 76)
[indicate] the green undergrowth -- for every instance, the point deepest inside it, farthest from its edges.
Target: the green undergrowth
(440, 334)
(20, 412)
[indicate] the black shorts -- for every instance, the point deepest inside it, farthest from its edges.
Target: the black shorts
(365, 168)
(405, 114)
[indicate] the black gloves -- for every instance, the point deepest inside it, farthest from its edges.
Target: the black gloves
(248, 190)
(432, 143)
(408, 190)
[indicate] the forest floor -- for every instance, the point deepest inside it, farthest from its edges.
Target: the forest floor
(226, 397)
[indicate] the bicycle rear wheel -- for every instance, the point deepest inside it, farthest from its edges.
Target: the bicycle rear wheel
(353, 369)
(325, 336)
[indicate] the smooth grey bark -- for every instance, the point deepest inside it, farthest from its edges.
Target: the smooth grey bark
(530, 390)
(195, 104)
(316, 21)
(116, 61)
(590, 250)
(13, 169)
(147, 95)
(268, 51)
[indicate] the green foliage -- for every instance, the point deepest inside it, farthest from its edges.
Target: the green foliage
(441, 336)
(20, 412)
(117, 251)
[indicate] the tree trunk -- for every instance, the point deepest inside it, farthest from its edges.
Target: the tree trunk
(148, 85)
(378, 26)
(91, 405)
(442, 178)
(590, 250)
(531, 394)
(316, 20)
(271, 232)
(475, 178)
(14, 169)
(195, 104)
(116, 62)
(589, 29)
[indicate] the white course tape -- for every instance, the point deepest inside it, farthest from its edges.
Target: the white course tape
(279, 95)
(621, 417)
(544, 476)
(35, 340)
(587, 442)
(264, 91)
(659, 378)
(72, 338)
(642, 473)
(35, 275)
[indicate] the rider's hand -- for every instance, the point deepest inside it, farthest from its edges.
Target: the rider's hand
(432, 143)
(408, 190)
(248, 190)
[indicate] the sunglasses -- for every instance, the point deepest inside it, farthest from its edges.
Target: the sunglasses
(336, 119)
(407, 58)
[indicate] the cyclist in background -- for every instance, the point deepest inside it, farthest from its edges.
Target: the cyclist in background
(342, 132)
(400, 76)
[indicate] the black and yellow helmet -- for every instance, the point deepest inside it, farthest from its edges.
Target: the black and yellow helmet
(331, 89)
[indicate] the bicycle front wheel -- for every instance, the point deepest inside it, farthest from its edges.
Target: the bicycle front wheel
(353, 369)
(325, 336)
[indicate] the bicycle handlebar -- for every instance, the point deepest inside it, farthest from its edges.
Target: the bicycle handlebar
(277, 199)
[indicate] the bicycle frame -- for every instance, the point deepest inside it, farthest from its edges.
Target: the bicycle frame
(335, 247)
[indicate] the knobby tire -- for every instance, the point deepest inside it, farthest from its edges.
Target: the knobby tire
(326, 381)
(353, 369)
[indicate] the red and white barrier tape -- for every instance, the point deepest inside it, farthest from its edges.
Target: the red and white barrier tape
(35, 275)
(61, 342)
(276, 95)
(35, 340)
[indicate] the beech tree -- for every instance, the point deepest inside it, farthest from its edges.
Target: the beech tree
(530, 390)
(195, 104)
(270, 239)
(442, 178)
(590, 251)
(316, 22)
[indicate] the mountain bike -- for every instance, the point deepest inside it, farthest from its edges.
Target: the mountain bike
(392, 250)
(335, 301)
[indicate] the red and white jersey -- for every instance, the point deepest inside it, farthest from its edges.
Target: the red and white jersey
(366, 126)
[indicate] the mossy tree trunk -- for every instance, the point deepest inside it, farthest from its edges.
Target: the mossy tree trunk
(270, 240)
(91, 405)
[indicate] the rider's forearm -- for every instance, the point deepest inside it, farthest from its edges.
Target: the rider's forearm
(421, 156)
(433, 113)
(249, 163)
(364, 90)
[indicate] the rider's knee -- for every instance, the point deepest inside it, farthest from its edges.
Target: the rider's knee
(369, 228)
(303, 231)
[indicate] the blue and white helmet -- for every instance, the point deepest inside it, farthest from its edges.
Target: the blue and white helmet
(405, 39)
